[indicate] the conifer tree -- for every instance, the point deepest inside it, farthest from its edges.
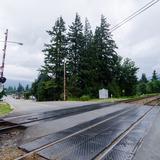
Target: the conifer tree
(154, 76)
(55, 52)
(128, 78)
(143, 78)
(20, 88)
(75, 48)
(105, 53)
(87, 60)
(92, 63)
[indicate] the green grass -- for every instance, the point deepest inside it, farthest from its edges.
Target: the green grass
(114, 99)
(4, 108)
(123, 98)
(109, 99)
(73, 99)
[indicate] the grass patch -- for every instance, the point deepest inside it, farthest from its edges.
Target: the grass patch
(4, 108)
(109, 99)
(135, 97)
(124, 98)
(73, 99)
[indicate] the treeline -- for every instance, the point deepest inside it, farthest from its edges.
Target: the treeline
(92, 63)
(146, 86)
(19, 89)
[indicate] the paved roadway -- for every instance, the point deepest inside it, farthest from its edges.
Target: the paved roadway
(22, 107)
(28, 106)
(151, 144)
(91, 139)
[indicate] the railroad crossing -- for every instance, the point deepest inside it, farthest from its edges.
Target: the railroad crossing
(116, 132)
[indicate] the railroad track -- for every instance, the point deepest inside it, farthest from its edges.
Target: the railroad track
(93, 132)
(154, 102)
(147, 98)
(62, 139)
(4, 126)
(103, 154)
(90, 126)
(20, 121)
(10, 123)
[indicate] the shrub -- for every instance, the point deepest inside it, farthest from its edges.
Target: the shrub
(26, 95)
(114, 89)
(85, 98)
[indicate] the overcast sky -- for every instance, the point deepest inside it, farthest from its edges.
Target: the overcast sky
(27, 21)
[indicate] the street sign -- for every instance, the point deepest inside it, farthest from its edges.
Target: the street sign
(1, 87)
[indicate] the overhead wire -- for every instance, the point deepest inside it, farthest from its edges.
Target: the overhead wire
(133, 15)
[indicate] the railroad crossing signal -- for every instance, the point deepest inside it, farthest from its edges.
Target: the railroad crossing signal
(2, 80)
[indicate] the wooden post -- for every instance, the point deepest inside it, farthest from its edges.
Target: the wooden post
(64, 80)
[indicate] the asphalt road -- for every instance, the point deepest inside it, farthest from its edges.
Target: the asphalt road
(22, 107)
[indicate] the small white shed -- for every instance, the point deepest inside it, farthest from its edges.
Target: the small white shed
(103, 93)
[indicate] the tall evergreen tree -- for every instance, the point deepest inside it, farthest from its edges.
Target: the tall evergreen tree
(14, 89)
(76, 48)
(106, 56)
(154, 76)
(92, 62)
(44, 88)
(142, 85)
(27, 88)
(143, 78)
(88, 35)
(20, 88)
(128, 78)
(55, 52)
(87, 61)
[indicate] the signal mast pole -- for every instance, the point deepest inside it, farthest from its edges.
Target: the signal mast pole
(4, 53)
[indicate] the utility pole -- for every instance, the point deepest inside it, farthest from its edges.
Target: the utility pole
(64, 83)
(4, 53)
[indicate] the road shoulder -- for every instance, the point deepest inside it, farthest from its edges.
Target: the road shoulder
(151, 144)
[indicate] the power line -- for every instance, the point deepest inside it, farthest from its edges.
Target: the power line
(133, 15)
